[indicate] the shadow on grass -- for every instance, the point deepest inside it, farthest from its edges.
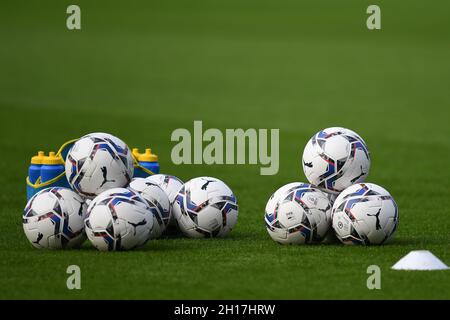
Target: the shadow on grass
(179, 242)
(175, 241)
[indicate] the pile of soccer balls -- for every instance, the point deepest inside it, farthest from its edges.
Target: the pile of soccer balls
(117, 212)
(336, 162)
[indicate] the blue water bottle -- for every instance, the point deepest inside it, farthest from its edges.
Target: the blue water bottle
(52, 168)
(147, 160)
(34, 172)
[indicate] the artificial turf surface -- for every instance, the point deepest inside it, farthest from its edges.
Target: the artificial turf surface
(139, 70)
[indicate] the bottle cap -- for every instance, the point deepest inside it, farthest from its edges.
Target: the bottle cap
(38, 158)
(135, 152)
(148, 156)
(52, 159)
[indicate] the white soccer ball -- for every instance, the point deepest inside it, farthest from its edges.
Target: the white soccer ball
(300, 214)
(171, 185)
(157, 201)
(275, 197)
(118, 219)
(335, 158)
(54, 218)
(364, 213)
(280, 192)
(205, 207)
(98, 162)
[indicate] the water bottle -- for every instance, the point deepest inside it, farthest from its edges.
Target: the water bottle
(147, 160)
(52, 167)
(34, 171)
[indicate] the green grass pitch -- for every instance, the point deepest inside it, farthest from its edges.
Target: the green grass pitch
(141, 69)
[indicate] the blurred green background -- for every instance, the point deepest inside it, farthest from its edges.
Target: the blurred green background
(140, 69)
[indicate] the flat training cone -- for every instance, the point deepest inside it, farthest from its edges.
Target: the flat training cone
(420, 260)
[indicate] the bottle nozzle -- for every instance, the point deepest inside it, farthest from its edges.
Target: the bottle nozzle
(147, 156)
(52, 158)
(38, 158)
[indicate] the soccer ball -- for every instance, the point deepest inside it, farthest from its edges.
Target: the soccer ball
(157, 201)
(98, 162)
(335, 158)
(118, 219)
(53, 218)
(298, 213)
(171, 185)
(365, 213)
(275, 197)
(205, 207)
